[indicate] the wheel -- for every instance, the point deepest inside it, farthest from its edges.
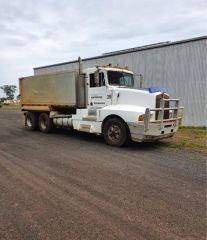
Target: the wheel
(45, 123)
(31, 121)
(116, 132)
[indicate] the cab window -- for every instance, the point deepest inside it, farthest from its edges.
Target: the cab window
(100, 81)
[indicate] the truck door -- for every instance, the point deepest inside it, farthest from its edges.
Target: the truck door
(97, 92)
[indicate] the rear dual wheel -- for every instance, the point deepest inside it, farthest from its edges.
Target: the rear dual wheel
(45, 123)
(31, 121)
(34, 120)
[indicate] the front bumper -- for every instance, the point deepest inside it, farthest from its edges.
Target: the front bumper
(153, 130)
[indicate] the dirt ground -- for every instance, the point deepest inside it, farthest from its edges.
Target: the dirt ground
(70, 185)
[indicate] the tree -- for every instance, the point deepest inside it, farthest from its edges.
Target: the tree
(9, 90)
(18, 97)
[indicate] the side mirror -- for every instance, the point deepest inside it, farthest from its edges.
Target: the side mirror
(138, 80)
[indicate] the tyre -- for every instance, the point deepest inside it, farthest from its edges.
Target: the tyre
(115, 132)
(31, 121)
(45, 123)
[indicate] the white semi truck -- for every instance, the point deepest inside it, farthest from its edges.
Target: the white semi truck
(100, 100)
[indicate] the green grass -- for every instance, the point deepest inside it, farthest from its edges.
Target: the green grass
(194, 138)
(12, 107)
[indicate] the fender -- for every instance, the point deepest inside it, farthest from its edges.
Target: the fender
(129, 113)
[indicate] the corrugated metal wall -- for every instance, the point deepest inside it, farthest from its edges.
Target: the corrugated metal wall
(180, 68)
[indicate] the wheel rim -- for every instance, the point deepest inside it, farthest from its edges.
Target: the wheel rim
(43, 123)
(29, 122)
(114, 133)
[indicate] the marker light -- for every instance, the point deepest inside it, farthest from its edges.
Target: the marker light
(141, 118)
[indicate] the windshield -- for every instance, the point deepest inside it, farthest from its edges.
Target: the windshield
(121, 79)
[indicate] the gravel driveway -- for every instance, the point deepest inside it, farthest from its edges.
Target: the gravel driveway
(70, 185)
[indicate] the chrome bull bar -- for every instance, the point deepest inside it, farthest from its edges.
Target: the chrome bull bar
(175, 114)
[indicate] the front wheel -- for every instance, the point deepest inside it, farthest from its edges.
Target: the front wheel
(45, 123)
(115, 132)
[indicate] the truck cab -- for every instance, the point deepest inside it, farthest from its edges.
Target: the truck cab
(105, 84)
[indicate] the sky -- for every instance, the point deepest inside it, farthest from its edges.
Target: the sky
(43, 32)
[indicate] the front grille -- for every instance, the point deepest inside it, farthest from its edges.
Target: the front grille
(166, 112)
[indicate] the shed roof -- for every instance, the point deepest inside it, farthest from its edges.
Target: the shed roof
(129, 50)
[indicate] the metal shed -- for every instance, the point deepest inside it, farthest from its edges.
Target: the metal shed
(180, 67)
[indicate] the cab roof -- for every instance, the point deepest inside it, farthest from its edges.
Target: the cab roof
(108, 69)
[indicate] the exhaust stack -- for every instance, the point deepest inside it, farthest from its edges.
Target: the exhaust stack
(80, 65)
